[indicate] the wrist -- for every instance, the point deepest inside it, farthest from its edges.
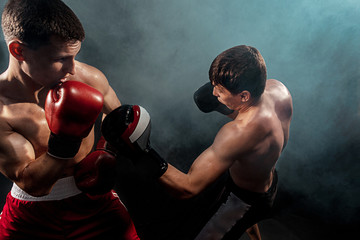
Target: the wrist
(161, 163)
(64, 147)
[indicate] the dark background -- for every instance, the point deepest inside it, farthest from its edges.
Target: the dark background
(157, 53)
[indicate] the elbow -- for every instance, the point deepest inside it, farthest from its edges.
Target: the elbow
(185, 194)
(31, 185)
(180, 185)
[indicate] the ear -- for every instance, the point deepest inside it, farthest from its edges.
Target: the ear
(16, 50)
(245, 96)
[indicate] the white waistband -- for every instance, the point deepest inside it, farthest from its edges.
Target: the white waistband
(63, 188)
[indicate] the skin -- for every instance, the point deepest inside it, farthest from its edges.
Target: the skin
(254, 232)
(249, 146)
(24, 131)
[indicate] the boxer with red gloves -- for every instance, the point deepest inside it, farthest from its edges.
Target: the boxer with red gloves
(49, 103)
(77, 101)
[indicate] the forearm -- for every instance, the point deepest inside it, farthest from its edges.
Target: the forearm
(38, 176)
(178, 183)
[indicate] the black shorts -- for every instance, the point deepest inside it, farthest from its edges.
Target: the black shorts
(238, 210)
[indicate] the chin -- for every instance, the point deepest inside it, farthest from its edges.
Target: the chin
(223, 103)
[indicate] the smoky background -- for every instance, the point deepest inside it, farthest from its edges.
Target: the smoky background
(157, 53)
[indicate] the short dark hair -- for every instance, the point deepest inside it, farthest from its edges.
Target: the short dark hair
(35, 21)
(239, 68)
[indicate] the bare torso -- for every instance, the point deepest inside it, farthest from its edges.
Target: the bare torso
(269, 124)
(23, 120)
(28, 120)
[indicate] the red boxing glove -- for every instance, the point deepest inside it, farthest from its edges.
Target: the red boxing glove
(96, 173)
(71, 109)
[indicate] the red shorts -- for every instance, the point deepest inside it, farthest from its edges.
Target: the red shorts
(76, 217)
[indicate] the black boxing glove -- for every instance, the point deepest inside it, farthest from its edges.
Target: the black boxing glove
(207, 102)
(127, 129)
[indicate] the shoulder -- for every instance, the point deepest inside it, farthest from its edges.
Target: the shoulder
(87, 73)
(281, 97)
(236, 138)
(276, 85)
(277, 90)
(95, 78)
(92, 76)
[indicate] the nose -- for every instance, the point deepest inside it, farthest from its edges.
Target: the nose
(69, 67)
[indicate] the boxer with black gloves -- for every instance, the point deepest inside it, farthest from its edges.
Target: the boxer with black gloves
(127, 129)
(247, 148)
(49, 103)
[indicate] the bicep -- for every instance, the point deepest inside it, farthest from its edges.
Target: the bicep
(207, 167)
(15, 154)
(204, 171)
(216, 159)
(111, 101)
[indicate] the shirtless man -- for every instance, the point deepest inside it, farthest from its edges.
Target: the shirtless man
(39, 146)
(248, 147)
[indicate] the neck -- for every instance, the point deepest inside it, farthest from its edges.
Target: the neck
(20, 86)
(246, 109)
(251, 103)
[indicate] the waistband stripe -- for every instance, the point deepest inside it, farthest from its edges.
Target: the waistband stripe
(63, 188)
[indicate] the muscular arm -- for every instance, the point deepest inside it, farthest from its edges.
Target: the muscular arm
(95, 78)
(207, 167)
(17, 161)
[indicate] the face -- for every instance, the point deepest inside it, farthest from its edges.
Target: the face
(51, 64)
(226, 97)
